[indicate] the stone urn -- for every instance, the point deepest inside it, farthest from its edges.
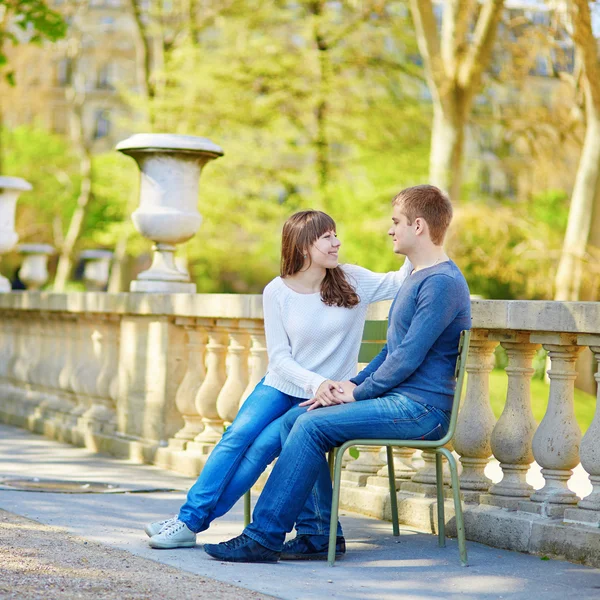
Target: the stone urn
(34, 268)
(10, 189)
(97, 269)
(168, 214)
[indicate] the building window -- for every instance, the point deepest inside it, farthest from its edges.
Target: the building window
(64, 72)
(102, 125)
(105, 77)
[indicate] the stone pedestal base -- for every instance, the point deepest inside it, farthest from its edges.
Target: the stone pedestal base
(544, 509)
(581, 516)
(508, 502)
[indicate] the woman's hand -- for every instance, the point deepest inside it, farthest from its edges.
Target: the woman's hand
(324, 396)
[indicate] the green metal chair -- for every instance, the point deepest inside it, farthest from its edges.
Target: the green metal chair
(437, 445)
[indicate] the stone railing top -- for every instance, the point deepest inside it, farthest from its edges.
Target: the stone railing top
(158, 142)
(35, 249)
(95, 254)
(564, 317)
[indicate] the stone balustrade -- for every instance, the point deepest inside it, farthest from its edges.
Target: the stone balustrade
(157, 377)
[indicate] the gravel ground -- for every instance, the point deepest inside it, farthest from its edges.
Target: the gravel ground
(42, 562)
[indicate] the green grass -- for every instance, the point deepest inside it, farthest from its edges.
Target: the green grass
(585, 404)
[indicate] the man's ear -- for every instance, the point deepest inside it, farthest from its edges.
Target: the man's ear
(420, 226)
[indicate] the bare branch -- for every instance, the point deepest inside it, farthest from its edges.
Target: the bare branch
(428, 41)
(480, 52)
(455, 24)
(586, 44)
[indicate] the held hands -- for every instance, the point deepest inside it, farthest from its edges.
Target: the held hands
(330, 393)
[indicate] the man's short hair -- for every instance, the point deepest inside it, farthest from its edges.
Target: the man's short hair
(429, 203)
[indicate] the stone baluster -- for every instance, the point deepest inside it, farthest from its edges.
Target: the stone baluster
(403, 468)
(368, 463)
(95, 380)
(108, 326)
(557, 439)
(228, 401)
(69, 331)
(476, 419)
(7, 339)
(258, 359)
(23, 358)
(513, 433)
(57, 401)
(425, 478)
(206, 398)
(185, 398)
(40, 360)
(59, 352)
(113, 331)
(588, 509)
(83, 355)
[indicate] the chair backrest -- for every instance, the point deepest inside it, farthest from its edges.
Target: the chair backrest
(459, 373)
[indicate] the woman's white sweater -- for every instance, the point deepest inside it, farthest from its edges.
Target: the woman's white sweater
(308, 341)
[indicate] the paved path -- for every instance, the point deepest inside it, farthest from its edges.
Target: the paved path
(378, 565)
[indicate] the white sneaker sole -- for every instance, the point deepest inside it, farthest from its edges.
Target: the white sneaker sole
(170, 545)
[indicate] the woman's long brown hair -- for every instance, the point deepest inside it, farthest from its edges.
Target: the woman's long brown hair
(302, 230)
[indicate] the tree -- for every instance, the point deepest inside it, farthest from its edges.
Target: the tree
(454, 59)
(28, 21)
(587, 180)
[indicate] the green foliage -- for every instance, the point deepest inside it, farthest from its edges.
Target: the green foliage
(504, 253)
(27, 21)
(49, 164)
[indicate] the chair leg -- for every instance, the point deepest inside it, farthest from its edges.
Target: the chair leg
(335, 505)
(393, 495)
(247, 507)
(439, 481)
(460, 524)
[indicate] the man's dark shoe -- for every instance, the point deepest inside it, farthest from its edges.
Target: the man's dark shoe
(311, 547)
(241, 549)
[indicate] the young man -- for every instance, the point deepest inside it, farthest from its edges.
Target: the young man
(405, 392)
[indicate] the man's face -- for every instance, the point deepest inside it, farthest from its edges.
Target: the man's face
(401, 232)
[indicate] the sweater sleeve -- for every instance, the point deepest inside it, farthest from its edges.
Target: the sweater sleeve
(434, 311)
(279, 349)
(374, 287)
(371, 367)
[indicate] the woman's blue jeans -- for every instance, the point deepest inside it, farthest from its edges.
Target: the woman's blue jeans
(302, 463)
(247, 447)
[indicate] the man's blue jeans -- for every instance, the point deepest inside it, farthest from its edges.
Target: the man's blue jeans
(250, 443)
(302, 463)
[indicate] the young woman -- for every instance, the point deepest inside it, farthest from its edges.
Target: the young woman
(314, 315)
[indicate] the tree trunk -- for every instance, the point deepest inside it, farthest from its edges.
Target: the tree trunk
(445, 159)
(585, 191)
(63, 268)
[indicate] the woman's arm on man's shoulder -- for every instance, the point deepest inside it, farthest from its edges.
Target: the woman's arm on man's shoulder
(374, 287)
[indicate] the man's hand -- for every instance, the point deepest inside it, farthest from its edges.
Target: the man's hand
(341, 391)
(324, 395)
(345, 395)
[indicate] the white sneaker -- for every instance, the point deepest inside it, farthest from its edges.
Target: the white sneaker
(154, 528)
(175, 535)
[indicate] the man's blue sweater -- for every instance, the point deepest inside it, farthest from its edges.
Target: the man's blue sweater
(426, 317)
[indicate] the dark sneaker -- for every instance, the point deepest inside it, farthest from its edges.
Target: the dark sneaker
(241, 549)
(311, 547)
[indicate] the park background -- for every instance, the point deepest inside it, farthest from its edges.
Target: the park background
(329, 105)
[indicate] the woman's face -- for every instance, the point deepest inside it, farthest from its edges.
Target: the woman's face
(324, 251)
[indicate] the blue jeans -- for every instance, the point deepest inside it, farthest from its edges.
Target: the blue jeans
(302, 463)
(247, 447)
